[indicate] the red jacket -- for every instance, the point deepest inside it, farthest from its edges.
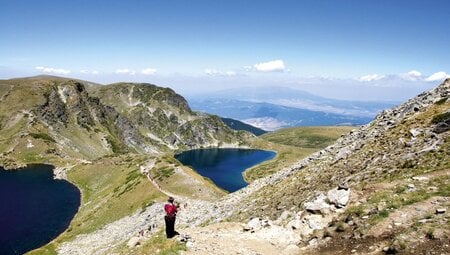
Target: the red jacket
(171, 210)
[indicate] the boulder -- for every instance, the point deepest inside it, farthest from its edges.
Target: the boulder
(343, 186)
(420, 178)
(318, 205)
(441, 210)
(315, 221)
(253, 224)
(338, 197)
(133, 242)
(294, 224)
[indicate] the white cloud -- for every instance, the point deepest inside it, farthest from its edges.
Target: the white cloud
(214, 72)
(270, 66)
(125, 71)
(266, 123)
(148, 71)
(439, 76)
(89, 72)
(371, 77)
(52, 70)
(412, 75)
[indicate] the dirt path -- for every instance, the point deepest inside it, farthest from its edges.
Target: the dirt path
(229, 238)
(407, 215)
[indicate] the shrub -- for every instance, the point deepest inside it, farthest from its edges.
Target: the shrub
(443, 117)
(441, 101)
(42, 136)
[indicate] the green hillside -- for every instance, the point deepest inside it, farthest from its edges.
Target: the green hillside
(307, 137)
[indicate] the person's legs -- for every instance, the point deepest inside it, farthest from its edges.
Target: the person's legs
(170, 226)
(167, 221)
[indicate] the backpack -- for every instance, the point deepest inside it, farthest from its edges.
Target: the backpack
(171, 210)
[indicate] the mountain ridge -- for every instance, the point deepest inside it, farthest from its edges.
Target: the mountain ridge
(85, 120)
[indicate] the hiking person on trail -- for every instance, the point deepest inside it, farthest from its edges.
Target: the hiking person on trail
(171, 214)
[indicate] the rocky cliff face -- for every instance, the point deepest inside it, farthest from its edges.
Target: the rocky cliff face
(45, 116)
(164, 117)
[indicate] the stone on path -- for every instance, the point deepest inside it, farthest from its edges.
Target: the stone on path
(133, 242)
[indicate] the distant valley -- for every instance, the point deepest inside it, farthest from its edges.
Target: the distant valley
(274, 108)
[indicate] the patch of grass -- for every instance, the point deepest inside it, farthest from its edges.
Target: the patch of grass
(147, 204)
(47, 250)
(163, 172)
(307, 137)
(340, 227)
(440, 117)
(43, 136)
(441, 101)
(400, 189)
(31, 157)
(355, 210)
(383, 213)
(116, 146)
(430, 233)
(158, 244)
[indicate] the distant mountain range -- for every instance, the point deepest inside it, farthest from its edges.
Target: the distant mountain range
(272, 108)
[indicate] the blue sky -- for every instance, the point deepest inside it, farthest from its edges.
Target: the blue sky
(207, 45)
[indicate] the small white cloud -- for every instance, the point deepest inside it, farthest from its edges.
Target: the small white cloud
(52, 70)
(214, 72)
(270, 66)
(371, 77)
(412, 75)
(439, 76)
(148, 71)
(89, 72)
(125, 71)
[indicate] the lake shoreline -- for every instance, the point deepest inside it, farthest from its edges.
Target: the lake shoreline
(225, 167)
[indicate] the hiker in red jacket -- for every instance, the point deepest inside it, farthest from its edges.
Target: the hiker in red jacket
(171, 214)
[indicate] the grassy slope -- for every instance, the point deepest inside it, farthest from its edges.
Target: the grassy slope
(111, 187)
(291, 145)
(381, 188)
(307, 137)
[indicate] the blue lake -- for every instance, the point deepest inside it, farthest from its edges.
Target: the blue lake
(224, 166)
(34, 208)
